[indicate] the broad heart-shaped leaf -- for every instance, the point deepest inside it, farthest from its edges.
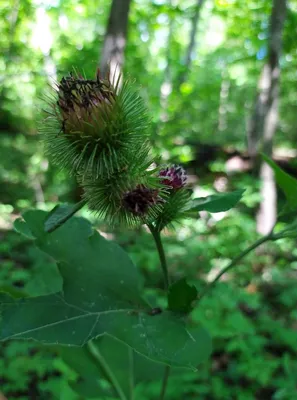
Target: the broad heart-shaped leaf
(181, 296)
(286, 182)
(60, 214)
(44, 275)
(101, 294)
(218, 202)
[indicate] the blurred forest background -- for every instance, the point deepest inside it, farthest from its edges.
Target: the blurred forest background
(220, 81)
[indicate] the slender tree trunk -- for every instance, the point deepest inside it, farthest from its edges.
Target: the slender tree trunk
(192, 42)
(224, 94)
(166, 87)
(264, 122)
(13, 19)
(112, 55)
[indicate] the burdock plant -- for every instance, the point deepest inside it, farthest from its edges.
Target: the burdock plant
(95, 312)
(99, 132)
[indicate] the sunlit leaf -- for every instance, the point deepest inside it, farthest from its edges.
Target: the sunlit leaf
(218, 202)
(287, 183)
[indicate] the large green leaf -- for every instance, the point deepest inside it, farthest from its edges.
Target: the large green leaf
(60, 214)
(21, 227)
(218, 202)
(181, 296)
(101, 294)
(287, 183)
(112, 360)
(90, 373)
(44, 275)
(117, 363)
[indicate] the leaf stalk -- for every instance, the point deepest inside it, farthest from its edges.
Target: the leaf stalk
(240, 256)
(158, 241)
(95, 353)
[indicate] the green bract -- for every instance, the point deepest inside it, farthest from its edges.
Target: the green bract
(93, 126)
(173, 209)
(98, 131)
(130, 196)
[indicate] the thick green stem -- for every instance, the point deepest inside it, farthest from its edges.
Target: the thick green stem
(262, 240)
(157, 237)
(95, 353)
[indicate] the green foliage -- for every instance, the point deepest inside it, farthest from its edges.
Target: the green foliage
(23, 228)
(89, 372)
(251, 315)
(56, 218)
(217, 202)
(181, 296)
(97, 298)
(285, 181)
(268, 313)
(119, 364)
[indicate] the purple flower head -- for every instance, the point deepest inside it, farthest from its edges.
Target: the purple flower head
(139, 200)
(174, 176)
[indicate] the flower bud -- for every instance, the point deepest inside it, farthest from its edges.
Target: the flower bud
(82, 102)
(127, 197)
(175, 177)
(139, 200)
(93, 127)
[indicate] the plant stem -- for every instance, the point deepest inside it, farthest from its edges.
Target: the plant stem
(157, 237)
(131, 375)
(160, 248)
(95, 353)
(266, 238)
(164, 383)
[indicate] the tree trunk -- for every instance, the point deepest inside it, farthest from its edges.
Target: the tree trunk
(223, 106)
(166, 87)
(112, 55)
(13, 19)
(192, 42)
(264, 122)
